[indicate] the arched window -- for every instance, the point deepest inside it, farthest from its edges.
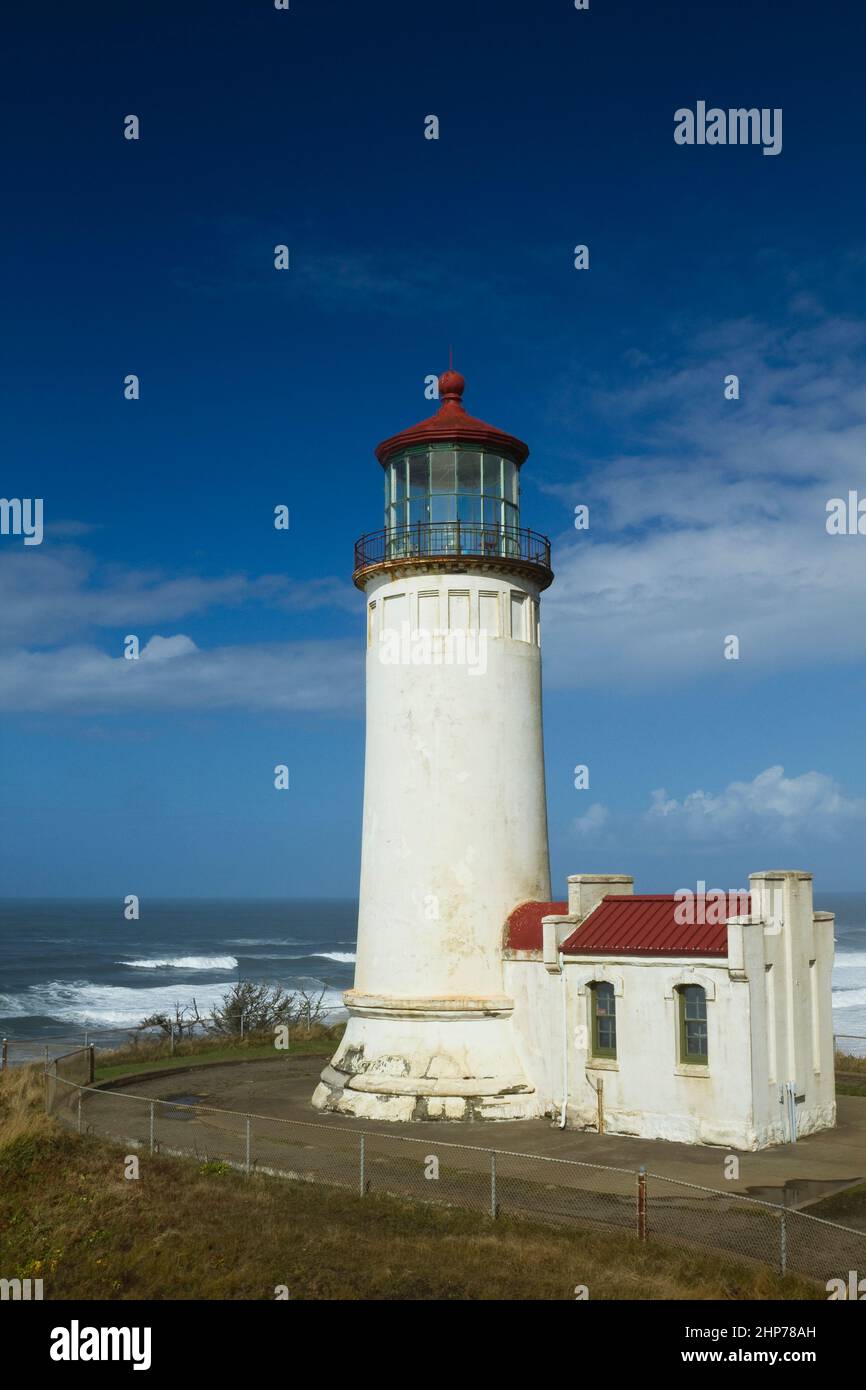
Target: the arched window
(603, 1016)
(693, 1024)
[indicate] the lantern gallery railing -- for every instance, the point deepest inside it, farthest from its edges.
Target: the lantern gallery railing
(429, 539)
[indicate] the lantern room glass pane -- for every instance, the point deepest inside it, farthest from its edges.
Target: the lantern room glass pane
(492, 512)
(492, 477)
(419, 510)
(443, 507)
(419, 475)
(468, 471)
(442, 470)
(469, 509)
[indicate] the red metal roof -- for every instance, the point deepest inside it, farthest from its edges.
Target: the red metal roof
(451, 424)
(645, 924)
(524, 925)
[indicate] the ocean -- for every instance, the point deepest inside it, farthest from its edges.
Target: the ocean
(67, 967)
(849, 970)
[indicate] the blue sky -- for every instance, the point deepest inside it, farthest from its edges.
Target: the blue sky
(261, 387)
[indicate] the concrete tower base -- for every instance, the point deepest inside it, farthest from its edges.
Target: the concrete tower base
(427, 1059)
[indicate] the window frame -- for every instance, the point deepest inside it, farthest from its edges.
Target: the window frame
(597, 1050)
(694, 1059)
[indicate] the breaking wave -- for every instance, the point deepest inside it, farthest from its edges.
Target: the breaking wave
(184, 963)
(118, 1006)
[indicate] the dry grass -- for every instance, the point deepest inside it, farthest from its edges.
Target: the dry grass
(184, 1230)
(22, 1104)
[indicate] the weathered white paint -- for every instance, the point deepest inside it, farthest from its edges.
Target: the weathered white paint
(735, 1100)
(454, 836)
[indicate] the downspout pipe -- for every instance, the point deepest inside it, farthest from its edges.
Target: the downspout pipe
(792, 1110)
(562, 1117)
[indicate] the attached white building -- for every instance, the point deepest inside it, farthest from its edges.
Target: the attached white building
(676, 1018)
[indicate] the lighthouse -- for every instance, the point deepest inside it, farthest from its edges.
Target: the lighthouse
(455, 818)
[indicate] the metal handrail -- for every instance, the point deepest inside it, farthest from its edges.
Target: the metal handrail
(443, 538)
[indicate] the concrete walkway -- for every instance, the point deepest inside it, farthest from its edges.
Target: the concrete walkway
(793, 1175)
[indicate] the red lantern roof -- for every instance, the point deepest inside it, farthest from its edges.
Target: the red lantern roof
(452, 425)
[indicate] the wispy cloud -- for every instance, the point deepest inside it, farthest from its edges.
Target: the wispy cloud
(55, 592)
(771, 809)
(172, 673)
(56, 601)
(772, 805)
(709, 519)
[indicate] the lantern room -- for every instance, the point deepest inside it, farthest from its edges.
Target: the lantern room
(452, 489)
(452, 482)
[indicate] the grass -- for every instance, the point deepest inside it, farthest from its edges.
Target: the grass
(190, 1230)
(850, 1074)
(848, 1207)
(158, 1056)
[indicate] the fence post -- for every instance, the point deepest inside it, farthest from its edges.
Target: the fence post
(151, 1126)
(783, 1243)
(362, 1169)
(641, 1203)
(493, 1184)
(5, 1057)
(247, 1155)
(79, 1112)
(172, 1040)
(91, 1066)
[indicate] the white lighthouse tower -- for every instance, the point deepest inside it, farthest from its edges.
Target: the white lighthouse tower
(455, 819)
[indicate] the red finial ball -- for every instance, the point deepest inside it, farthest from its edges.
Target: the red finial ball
(451, 386)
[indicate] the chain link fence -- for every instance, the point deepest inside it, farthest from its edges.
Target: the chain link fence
(852, 1044)
(21, 1051)
(559, 1191)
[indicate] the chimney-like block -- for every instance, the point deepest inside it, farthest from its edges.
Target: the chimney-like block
(585, 891)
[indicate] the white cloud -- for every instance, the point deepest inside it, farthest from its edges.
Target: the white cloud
(592, 822)
(771, 807)
(710, 520)
(51, 593)
(174, 674)
(771, 810)
(164, 648)
(51, 598)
